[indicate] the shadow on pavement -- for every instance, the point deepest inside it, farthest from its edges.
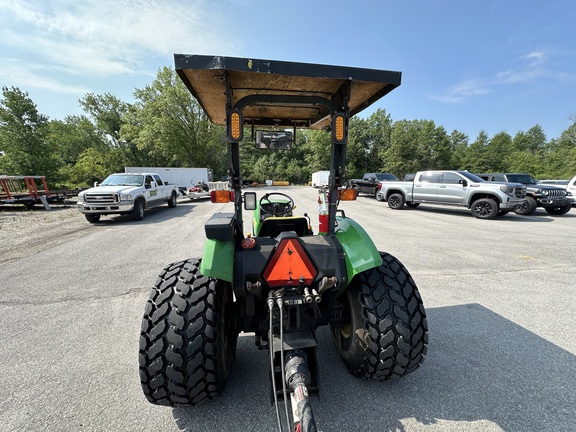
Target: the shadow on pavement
(483, 372)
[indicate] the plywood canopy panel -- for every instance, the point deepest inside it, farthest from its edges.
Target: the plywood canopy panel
(206, 78)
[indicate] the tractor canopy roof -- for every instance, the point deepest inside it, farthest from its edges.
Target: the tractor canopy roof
(207, 78)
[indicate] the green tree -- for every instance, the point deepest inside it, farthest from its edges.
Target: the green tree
(170, 128)
(534, 140)
(94, 165)
(530, 149)
(402, 156)
(369, 139)
(24, 138)
(73, 136)
(417, 145)
(316, 148)
(497, 149)
(459, 146)
(109, 114)
(560, 161)
(476, 159)
(107, 111)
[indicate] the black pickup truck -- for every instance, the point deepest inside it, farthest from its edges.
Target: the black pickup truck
(371, 182)
(553, 199)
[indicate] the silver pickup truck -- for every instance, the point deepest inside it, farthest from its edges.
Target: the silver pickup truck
(486, 200)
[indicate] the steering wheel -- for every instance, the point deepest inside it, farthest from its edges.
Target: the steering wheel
(278, 208)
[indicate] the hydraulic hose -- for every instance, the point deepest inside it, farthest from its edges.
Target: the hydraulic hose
(297, 375)
(280, 304)
(271, 348)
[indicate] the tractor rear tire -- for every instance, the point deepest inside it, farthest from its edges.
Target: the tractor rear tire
(188, 337)
(387, 335)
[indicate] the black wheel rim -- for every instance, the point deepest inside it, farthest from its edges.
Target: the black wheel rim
(483, 209)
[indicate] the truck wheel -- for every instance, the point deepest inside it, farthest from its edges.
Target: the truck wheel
(188, 338)
(559, 210)
(484, 208)
(387, 333)
(92, 218)
(138, 211)
(380, 197)
(173, 200)
(396, 201)
(527, 208)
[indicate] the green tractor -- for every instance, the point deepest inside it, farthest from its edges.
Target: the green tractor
(282, 282)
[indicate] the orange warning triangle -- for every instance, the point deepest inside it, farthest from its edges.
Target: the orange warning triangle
(288, 264)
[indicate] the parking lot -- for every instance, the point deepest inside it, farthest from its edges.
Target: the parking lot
(500, 297)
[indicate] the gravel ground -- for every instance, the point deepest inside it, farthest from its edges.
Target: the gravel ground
(23, 232)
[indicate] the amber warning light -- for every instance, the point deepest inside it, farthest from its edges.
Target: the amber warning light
(288, 265)
(236, 120)
(339, 128)
(221, 196)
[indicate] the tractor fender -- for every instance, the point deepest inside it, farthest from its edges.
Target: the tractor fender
(360, 253)
(218, 259)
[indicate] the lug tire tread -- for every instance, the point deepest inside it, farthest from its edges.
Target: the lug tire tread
(180, 355)
(394, 319)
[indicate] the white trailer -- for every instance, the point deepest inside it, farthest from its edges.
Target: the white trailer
(320, 178)
(185, 178)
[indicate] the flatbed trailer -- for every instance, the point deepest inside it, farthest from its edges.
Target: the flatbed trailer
(29, 191)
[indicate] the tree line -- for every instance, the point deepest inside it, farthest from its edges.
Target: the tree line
(165, 126)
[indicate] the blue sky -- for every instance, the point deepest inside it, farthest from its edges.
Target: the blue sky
(470, 65)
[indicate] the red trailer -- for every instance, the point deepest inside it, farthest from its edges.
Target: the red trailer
(29, 190)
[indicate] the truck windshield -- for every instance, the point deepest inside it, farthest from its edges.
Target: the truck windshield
(385, 177)
(123, 180)
(521, 178)
(472, 177)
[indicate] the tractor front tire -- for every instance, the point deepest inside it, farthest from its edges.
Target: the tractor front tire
(188, 337)
(387, 334)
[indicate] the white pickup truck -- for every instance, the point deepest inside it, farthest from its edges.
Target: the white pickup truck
(126, 193)
(486, 200)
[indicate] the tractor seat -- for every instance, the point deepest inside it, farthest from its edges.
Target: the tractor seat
(272, 226)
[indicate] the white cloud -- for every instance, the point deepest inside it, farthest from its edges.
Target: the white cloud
(12, 72)
(531, 67)
(107, 37)
(463, 91)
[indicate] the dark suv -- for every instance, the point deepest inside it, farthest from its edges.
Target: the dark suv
(552, 198)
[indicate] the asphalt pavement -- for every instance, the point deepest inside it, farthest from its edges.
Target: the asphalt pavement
(499, 294)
